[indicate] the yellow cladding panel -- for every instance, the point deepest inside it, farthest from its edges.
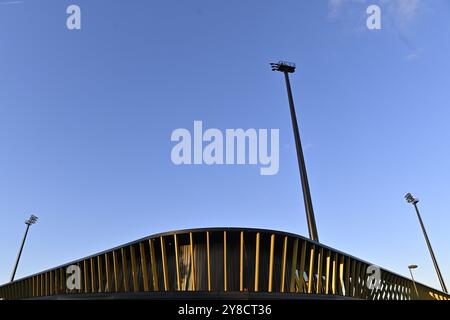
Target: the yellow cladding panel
(327, 271)
(191, 238)
(293, 266)
(225, 282)
(116, 272)
(319, 271)
(100, 273)
(92, 275)
(134, 272)
(164, 264)
(283, 264)
(241, 263)
(311, 269)
(126, 286)
(302, 267)
(258, 236)
(272, 249)
(144, 266)
(177, 265)
(108, 287)
(209, 260)
(154, 266)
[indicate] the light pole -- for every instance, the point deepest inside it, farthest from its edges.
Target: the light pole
(29, 222)
(286, 68)
(411, 267)
(410, 199)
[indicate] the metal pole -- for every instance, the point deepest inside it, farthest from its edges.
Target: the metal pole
(302, 167)
(20, 253)
(414, 282)
(436, 266)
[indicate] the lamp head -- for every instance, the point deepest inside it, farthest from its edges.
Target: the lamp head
(410, 199)
(32, 220)
(283, 66)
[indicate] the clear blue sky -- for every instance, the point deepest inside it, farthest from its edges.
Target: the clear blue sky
(86, 118)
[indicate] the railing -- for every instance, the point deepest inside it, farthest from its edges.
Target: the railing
(222, 260)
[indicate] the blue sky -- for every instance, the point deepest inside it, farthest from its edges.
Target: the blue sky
(86, 118)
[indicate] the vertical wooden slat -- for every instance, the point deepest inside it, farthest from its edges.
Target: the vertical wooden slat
(36, 285)
(311, 269)
(85, 276)
(347, 277)
(33, 286)
(62, 280)
(358, 280)
(258, 237)
(93, 277)
(208, 257)
(272, 249)
(100, 274)
(26, 288)
(301, 271)
(327, 272)
(134, 272)
(283, 264)
(225, 282)
(293, 266)
(126, 286)
(177, 265)
(23, 289)
(51, 283)
(334, 285)
(42, 287)
(46, 284)
(116, 271)
(241, 263)
(80, 266)
(108, 285)
(319, 271)
(191, 246)
(57, 281)
(153, 263)
(144, 266)
(352, 283)
(164, 264)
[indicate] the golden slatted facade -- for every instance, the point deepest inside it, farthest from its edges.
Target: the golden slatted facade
(222, 260)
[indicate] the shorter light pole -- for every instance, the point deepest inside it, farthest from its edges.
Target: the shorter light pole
(411, 267)
(29, 222)
(410, 199)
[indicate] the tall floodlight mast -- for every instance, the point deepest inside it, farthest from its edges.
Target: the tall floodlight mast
(286, 68)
